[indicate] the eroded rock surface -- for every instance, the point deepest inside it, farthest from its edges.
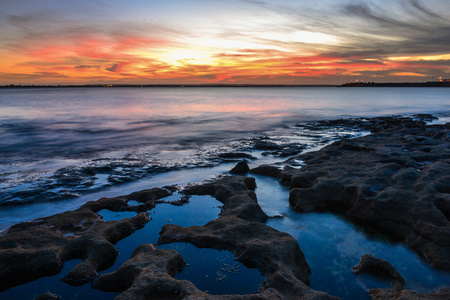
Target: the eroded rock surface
(241, 230)
(396, 180)
(379, 268)
(148, 274)
(31, 250)
(236, 193)
(383, 269)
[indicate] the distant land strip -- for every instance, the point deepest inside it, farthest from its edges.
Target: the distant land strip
(351, 84)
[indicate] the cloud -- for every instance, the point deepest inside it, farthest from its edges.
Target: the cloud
(250, 39)
(112, 68)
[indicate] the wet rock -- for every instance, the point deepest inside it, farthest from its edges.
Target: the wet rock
(276, 254)
(383, 294)
(47, 296)
(383, 269)
(236, 193)
(38, 248)
(149, 271)
(379, 268)
(236, 155)
(385, 181)
(267, 170)
(148, 198)
(240, 168)
(266, 144)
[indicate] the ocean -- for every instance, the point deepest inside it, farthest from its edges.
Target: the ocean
(62, 147)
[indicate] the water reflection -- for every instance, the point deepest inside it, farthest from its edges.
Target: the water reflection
(332, 246)
(216, 272)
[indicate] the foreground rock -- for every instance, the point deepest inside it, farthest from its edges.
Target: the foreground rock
(31, 250)
(395, 180)
(148, 273)
(383, 269)
(379, 268)
(240, 230)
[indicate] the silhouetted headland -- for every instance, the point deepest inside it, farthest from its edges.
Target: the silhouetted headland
(399, 84)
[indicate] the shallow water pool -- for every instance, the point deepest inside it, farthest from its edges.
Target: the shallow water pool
(216, 272)
(332, 246)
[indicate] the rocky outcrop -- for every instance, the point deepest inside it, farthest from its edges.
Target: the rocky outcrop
(267, 170)
(240, 229)
(236, 193)
(395, 180)
(241, 168)
(379, 268)
(149, 271)
(383, 269)
(31, 250)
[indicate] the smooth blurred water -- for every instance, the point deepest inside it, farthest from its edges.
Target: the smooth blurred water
(52, 138)
(80, 123)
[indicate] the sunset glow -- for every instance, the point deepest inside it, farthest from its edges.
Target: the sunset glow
(236, 41)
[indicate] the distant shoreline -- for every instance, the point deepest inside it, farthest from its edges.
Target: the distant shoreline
(398, 84)
(352, 84)
(161, 85)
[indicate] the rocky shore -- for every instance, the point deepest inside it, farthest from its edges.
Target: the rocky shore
(395, 181)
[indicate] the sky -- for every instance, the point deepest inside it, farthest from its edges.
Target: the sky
(223, 42)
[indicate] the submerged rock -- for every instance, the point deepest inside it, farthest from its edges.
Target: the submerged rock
(47, 296)
(379, 268)
(395, 180)
(383, 269)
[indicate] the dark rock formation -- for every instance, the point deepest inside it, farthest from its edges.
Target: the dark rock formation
(395, 180)
(383, 269)
(47, 296)
(236, 155)
(148, 198)
(31, 250)
(236, 193)
(241, 168)
(277, 149)
(148, 274)
(266, 170)
(390, 294)
(379, 268)
(240, 230)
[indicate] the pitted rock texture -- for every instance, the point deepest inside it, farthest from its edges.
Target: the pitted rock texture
(31, 250)
(236, 193)
(379, 268)
(148, 274)
(383, 269)
(242, 231)
(395, 180)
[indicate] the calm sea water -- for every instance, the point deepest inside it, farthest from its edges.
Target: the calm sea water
(60, 148)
